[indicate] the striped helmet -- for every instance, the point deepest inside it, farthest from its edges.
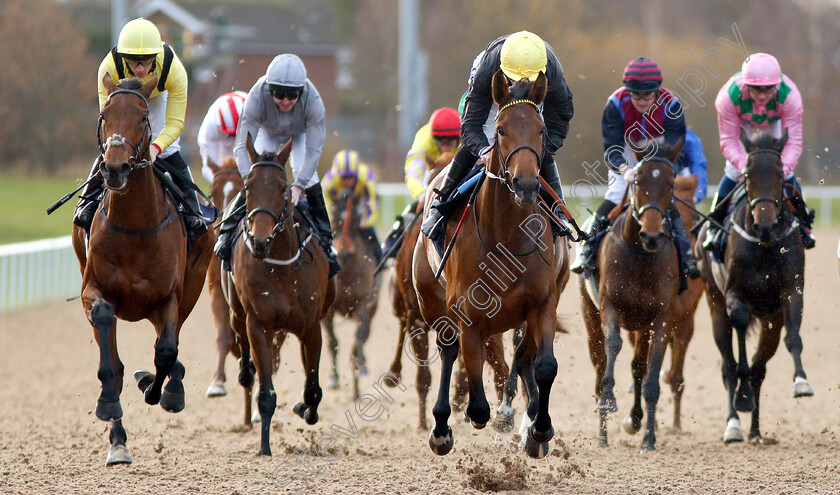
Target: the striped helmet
(346, 163)
(230, 106)
(642, 75)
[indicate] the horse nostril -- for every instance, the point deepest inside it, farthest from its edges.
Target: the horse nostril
(125, 167)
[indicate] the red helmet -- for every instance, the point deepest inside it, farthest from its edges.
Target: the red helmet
(445, 122)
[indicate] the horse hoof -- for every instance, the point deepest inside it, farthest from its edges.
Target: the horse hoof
(255, 417)
(648, 448)
(216, 389)
(397, 375)
(733, 432)
(118, 454)
(503, 422)
(537, 444)
(478, 426)
(108, 411)
(363, 371)
(333, 383)
(756, 439)
(144, 383)
(307, 413)
(628, 426)
(443, 444)
(632, 388)
(172, 401)
(603, 444)
(801, 388)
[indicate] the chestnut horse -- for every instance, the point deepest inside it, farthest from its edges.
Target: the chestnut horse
(137, 265)
(763, 278)
(506, 242)
(357, 289)
(638, 281)
(227, 182)
(279, 284)
(407, 310)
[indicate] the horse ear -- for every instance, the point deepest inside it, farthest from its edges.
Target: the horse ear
(212, 165)
(108, 83)
(674, 151)
(780, 143)
(249, 147)
(745, 140)
(538, 89)
(283, 154)
(147, 88)
(500, 87)
(637, 147)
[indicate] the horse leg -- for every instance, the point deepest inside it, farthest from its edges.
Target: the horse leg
(166, 355)
(542, 327)
(478, 410)
(310, 351)
(332, 344)
(613, 342)
(524, 358)
(496, 359)
(246, 366)
(650, 388)
(459, 394)
(441, 439)
(740, 317)
(633, 422)
(768, 342)
(681, 335)
(396, 364)
(362, 334)
(598, 356)
(101, 315)
(266, 398)
(723, 339)
(503, 422)
(224, 345)
(793, 342)
(420, 350)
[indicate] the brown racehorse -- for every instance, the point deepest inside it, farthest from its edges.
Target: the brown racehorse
(227, 182)
(279, 285)
(137, 265)
(762, 279)
(503, 271)
(638, 281)
(407, 310)
(357, 289)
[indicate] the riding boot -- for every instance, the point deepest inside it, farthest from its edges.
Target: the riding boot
(393, 239)
(587, 259)
(805, 216)
(315, 197)
(687, 263)
(228, 225)
(548, 171)
(434, 224)
(181, 176)
(89, 200)
(714, 235)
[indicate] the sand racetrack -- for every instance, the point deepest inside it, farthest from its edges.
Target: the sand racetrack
(51, 442)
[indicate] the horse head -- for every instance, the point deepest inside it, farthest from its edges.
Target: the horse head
(267, 198)
(654, 186)
(345, 217)
(227, 181)
(764, 178)
(519, 127)
(124, 131)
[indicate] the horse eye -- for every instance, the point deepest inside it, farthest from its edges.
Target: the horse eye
(501, 131)
(543, 131)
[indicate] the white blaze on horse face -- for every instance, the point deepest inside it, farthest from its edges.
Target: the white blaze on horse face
(227, 190)
(655, 174)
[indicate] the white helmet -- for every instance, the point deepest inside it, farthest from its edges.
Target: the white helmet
(230, 106)
(286, 70)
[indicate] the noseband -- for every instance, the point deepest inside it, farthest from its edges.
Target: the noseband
(117, 140)
(637, 213)
(507, 178)
(279, 220)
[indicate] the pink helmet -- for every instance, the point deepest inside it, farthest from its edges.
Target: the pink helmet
(230, 108)
(761, 69)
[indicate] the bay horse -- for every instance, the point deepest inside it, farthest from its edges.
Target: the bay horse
(638, 281)
(226, 184)
(136, 265)
(762, 278)
(506, 236)
(279, 284)
(357, 288)
(412, 327)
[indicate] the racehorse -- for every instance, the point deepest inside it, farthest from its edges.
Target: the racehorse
(507, 242)
(137, 265)
(227, 182)
(279, 284)
(357, 289)
(407, 310)
(638, 281)
(762, 278)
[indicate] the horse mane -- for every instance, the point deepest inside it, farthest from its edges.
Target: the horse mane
(132, 84)
(764, 140)
(520, 89)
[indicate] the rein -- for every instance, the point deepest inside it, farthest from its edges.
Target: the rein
(743, 232)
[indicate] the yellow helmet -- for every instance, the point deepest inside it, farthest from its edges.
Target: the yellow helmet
(139, 37)
(346, 163)
(523, 56)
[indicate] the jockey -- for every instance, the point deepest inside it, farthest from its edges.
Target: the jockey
(140, 53)
(348, 173)
(441, 135)
(640, 110)
(692, 161)
(759, 97)
(218, 130)
(284, 104)
(521, 55)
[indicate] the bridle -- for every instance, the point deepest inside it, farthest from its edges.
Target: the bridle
(279, 220)
(507, 178)
(637, 213)
(117, 140)
(764, 199)
(778, 202)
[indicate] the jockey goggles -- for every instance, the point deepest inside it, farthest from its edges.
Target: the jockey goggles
(281, 92)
